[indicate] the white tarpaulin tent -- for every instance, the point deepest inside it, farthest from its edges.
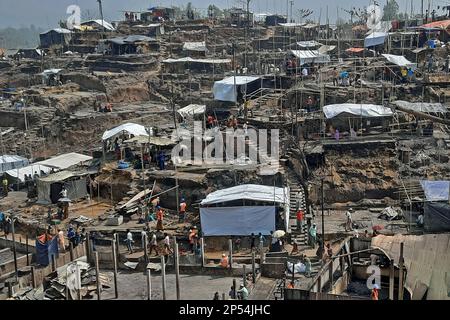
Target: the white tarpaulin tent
(8, 162)
(400, 61)
(237, 221)
(243, 220)
(206, 61)
(311, 56)
(75, 184)
(424, 107)
(100, 23)
(195, 46)
(309, 44)
(192, 110)
(375, 38)
(291, 24)
(65, 161)
(435, 190)
(224, 89)
(28, 170)
(252, 192)
(131, 128)
(360, 110)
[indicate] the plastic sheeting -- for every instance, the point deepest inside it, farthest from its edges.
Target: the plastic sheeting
(309, 44)
(424, 107)
(435, 190)
(311, 56)
(100, 23)
(205, 61)
(192, 110)
(31, 169)
(195, 46)
(375, 39)
(131, 128)
(76, 189)
(44, 251)
(400, 61)
(237, 221)
(361, 110)
(65, 161)
(252, 192)
(9, 162)
(436, 217)
(224, 89)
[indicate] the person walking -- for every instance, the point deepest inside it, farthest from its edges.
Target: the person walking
(313, 235)
(166, 242)
(129, 240)
(349, 221)
(300, 217)
(61, 240)
(182, 214)
(154, 244)
(159, 218)
(252, 242)
(5, 185)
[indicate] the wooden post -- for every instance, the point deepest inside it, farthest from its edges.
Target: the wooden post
(114, 253)
(230, 249)
(223, 296)
(97, 276)
(149, 284)
(88, 247)
(145, 249)
(261, 250)
(244, 276)
(400, 273)
(330, 275)
(33, 277)
(202, 248)
(78, 282)
(71, 251)
(177, 269)
(163, 277)
(234, 288)
(253, 267)
(116, 236)
(26, 248)
(53, 263)
(391, 280)
(319, 284)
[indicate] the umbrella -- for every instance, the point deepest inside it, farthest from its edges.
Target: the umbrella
(377, 227)
(278, 234)
(64, 200)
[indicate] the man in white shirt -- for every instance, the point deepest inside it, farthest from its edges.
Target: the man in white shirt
(166, 242)
(129, 241)
(304, 72)
(154, 244)
(349, 221)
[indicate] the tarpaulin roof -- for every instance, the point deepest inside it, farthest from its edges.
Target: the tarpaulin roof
(107, 25)
(375, 38)
(157, 141)
(206, 61)
(361, 110)
(131, 128)
(435, 190)
(252, 192)
(58, 30)
(445, 24)
(31, 169)
(61, 176)
(427, 261)
(400, 61)
(309, 44)
(50, 71)
(291, 24)
(192, 110)
(8, 162)
(130, 39)
(152, 25)
(311, 56)
(65, 161)
(195, 46)
(425, 107)
(224, 89)
(325, 48)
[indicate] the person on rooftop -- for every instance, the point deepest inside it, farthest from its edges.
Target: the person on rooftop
(182, 213)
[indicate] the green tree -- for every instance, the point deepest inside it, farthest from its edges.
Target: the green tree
(390, 10)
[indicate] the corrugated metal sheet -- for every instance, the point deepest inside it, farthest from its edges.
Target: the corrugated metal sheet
(427, 260)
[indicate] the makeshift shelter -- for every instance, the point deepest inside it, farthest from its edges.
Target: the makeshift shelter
(400, 61)
(311, 56)
(131, 44)
(49, 187)
(57, 36)
(130, 128)
(424, 107)
(9, 162)
(234, 88)
(375, 39)
(50, 76)
(99, 24)
(275, 19)
(153, 29)
(158, 14)
(426, 259)
(195, 46)
(29, 53)
(65, 161)
(437, 206)
(309, 44)
(243, 210)
(359, 110)
(19, 174)
(192, 110)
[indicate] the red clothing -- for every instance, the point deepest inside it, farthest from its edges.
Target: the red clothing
(160, 215)
(374, 295)
(183, 207)
(299, 215)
